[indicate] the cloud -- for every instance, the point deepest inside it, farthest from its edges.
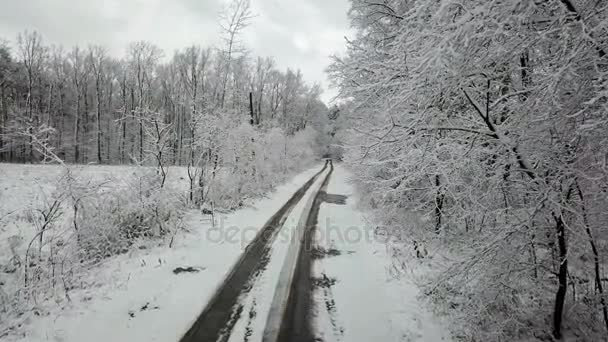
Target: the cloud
(299, 34)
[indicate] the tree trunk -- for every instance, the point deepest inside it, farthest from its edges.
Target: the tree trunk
(49, 108)
(252, 120)
(596, 258)
(109, 128)
(562, 277)
(98, 123)
(85, 127)
(123, 123)
(132, 138)
(61, 122)
(31, 113)
(439, 197)
(77, 130)
(3, 123)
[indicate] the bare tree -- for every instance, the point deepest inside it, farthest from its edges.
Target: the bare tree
(143, 58)
(32, 54)
(234, 19)
(97, 58)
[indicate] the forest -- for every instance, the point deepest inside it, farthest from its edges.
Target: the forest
(473, 132)
(91, 107)
(478, 128)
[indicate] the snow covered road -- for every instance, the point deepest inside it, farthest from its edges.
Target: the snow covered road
(239, 308)
(354, 297)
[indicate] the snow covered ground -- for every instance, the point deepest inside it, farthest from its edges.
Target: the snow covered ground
(136, 296)
(24, 187)
(356, 299)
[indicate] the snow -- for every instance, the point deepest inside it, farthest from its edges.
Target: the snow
(137, 297)
(366, 303)
(257, 302)
(23, 187)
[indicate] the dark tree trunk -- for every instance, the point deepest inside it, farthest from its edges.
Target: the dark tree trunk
(123, 123)
(252, 120)
(61, 122)
(524, 61)
(141, 138)
(85, 127)
(77, 130)
(109, 126)
(49, 109)
(438, 204)
(258, 115)
(596, 258)
(3, 122)
(132, 138)
(562, 277)
(99, 104)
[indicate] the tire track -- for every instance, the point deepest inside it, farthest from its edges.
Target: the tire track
(224, 310)
(296, 323)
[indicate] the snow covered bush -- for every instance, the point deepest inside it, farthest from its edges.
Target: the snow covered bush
(77, 223)
(250, 162)
(233, 160)
(110, 222)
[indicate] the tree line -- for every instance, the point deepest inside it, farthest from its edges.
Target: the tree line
(91, 107)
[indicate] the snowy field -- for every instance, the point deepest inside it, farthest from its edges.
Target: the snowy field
(356, 298)
(26, 194)
(21, 184)
(137, 296)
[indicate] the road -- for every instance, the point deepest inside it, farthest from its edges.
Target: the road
(257, 301)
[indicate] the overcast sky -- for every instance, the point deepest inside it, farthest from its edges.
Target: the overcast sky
(300, 34)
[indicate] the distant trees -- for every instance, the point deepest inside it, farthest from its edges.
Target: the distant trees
(7, 68)
(481, 121)
(146, 109)
(98, 105)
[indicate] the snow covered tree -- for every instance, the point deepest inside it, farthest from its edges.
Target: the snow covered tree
(482, 120)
